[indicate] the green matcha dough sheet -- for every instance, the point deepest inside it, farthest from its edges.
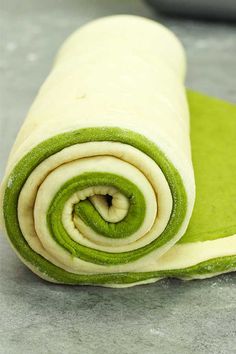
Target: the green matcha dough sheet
(99, 187)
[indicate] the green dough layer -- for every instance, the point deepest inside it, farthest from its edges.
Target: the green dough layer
(90, 215)
(213, 141)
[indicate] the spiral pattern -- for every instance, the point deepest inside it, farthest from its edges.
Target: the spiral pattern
(63, 211)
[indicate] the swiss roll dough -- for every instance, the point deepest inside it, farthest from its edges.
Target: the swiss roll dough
(99, 184)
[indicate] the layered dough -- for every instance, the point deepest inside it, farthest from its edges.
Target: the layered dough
(100, 178)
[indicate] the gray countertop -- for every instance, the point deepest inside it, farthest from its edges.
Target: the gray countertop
(167, 317)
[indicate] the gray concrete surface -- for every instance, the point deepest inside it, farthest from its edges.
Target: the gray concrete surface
(167, 317)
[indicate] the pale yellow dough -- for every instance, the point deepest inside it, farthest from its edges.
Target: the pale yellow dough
(104, 77)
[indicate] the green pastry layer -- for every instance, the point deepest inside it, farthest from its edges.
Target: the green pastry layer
(213, 141)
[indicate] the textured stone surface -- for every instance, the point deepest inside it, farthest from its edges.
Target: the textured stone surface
(167, 317)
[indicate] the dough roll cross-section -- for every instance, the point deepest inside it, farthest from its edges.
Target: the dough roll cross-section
(99, 183)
